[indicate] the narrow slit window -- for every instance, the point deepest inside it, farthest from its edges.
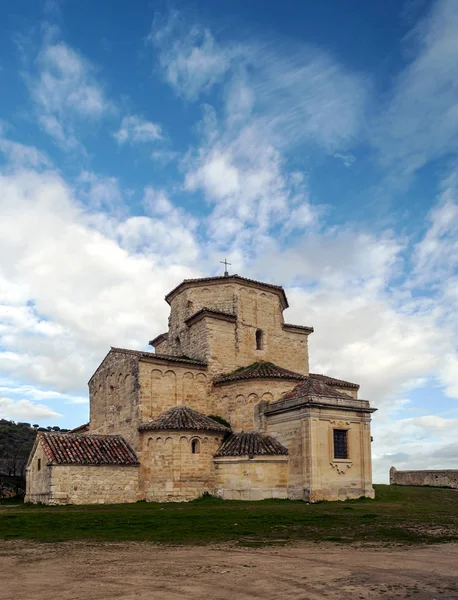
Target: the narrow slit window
(259, 339)
(178, 343)
(195, 446)
(39, 464)
(340, 443)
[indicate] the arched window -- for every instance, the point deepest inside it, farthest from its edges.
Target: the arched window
(195, 446)
(259, 339)
(190, 306)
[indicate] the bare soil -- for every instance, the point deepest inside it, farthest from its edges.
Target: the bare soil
(99, 571)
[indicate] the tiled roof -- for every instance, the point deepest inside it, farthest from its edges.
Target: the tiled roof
(334, 381)
(178, 359)
(251, 444)
(312, 386)
(306, 391)
(258, 370)
(277, 288)
(65, 449)
(183, 417)
(79, 429)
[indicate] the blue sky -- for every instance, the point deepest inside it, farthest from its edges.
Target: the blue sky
(313, 144)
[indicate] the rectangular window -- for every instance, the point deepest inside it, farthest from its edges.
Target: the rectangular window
(340, 443)
(39, 464)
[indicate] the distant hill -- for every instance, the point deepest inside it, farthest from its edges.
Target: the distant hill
(16, 442)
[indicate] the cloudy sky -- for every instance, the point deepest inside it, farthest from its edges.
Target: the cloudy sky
(313, 144)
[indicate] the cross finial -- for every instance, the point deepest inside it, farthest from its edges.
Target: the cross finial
(225, 263)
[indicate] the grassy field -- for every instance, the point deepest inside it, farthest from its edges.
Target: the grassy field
(407, 515)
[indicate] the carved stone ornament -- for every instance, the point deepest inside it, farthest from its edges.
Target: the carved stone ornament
(340, 424)
(341, 467)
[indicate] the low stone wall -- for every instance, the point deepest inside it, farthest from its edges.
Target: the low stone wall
(445, 478)
(77, 484)
(243, 478)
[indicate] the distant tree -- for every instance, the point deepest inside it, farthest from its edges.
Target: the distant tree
(16, 442)
(42, 429)
(49, 428)
(56, 428)
(36, 426)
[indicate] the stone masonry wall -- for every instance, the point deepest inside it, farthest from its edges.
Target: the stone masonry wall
(242, 478)
(314, 472)
(107, 484)
(241, 403)
(445, 478)
(226, 346)
(38, 480)
(163, 386)
(114, 400)
(170, 471)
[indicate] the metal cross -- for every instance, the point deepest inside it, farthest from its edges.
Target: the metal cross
(225, 263)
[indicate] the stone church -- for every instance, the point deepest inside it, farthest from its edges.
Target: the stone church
(225, 405)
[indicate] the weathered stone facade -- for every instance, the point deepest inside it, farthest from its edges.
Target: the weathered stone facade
(256, 478)
(50, 480)
(227, 353)
(170, 471)
(444, 478)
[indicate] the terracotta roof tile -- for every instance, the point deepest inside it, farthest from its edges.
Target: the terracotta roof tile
(251, 444)
(258, 370)
(183, 417)
(312, 386)
(334, 381)
(73, 449)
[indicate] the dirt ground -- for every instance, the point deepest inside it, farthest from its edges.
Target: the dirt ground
(98, 571)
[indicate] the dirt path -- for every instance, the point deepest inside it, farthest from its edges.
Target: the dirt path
(128, 571)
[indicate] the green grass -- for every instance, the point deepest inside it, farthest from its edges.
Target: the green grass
(406, 515)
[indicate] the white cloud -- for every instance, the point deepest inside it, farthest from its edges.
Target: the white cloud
(25, 410)
(29, 392)
(298, 94)
(420, 122)
(80, 271)
(192, 60)
(135, 129)
(436, 255)
(65, 91)
(426, 442)
(20, 155)
(66, 82)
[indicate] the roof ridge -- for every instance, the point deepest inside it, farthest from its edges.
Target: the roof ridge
(334, 381)
(251, 443)
(182, 418)
(258, 370)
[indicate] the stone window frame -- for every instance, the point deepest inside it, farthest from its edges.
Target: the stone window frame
(259, 337)
(347, 443)
(195, 445)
